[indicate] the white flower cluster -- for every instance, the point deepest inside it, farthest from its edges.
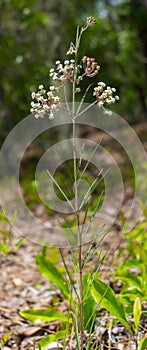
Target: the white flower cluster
(45, 102)
(63, 72)
(104, 95)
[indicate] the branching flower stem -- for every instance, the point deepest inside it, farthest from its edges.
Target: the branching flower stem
(46, 103)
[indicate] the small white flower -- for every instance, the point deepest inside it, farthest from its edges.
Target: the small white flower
(55, 76)
(58, 62)
(46, 107)
(113, 89)
(56, 99)
(100, 88)
(102, 84)
(59, 66)
(100, 103)
(117, 98)
(108, 101)
(51, 70)
(52, 88)
(33, 95)
(51, 116)
(109, 92)
(36, 116)
(66, 62)
(104, 95)
(40, 87)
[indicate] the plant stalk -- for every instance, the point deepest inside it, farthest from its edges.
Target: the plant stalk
(80, 271)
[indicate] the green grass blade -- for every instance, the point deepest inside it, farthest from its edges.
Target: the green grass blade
(83, 98)
(92, 249)
(90, 158)
(89, 192)
(80, 160)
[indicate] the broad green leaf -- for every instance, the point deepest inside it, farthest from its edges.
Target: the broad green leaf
(137, 313)
(51, 338)
(49, 270)
(104, 295)
(142, 344)
(40, 315)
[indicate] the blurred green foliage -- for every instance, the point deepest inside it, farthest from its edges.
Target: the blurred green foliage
(34, 34)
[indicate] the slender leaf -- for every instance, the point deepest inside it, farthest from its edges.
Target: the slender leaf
(41, 315)
(60, 189)
(80, 160)
(89, 160)
(83, 98)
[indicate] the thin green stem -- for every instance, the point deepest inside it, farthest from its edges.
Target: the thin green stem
(80, 271)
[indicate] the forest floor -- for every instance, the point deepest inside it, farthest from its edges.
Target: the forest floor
(23, 287)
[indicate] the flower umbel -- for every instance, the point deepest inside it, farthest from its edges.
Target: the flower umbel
(104, 95)
(64, 72)
(45, 102)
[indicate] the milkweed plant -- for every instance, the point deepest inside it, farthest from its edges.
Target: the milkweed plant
(76, 286)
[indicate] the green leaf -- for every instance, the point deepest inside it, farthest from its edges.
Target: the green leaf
(142, 344)
(20, 242)
(51, 338)
(128, 264)
(104, 295)
(40, 315)
(48, 269)
(89, 305)
(137, 313)
(4, 248)
(4, 340)
(130, 279)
